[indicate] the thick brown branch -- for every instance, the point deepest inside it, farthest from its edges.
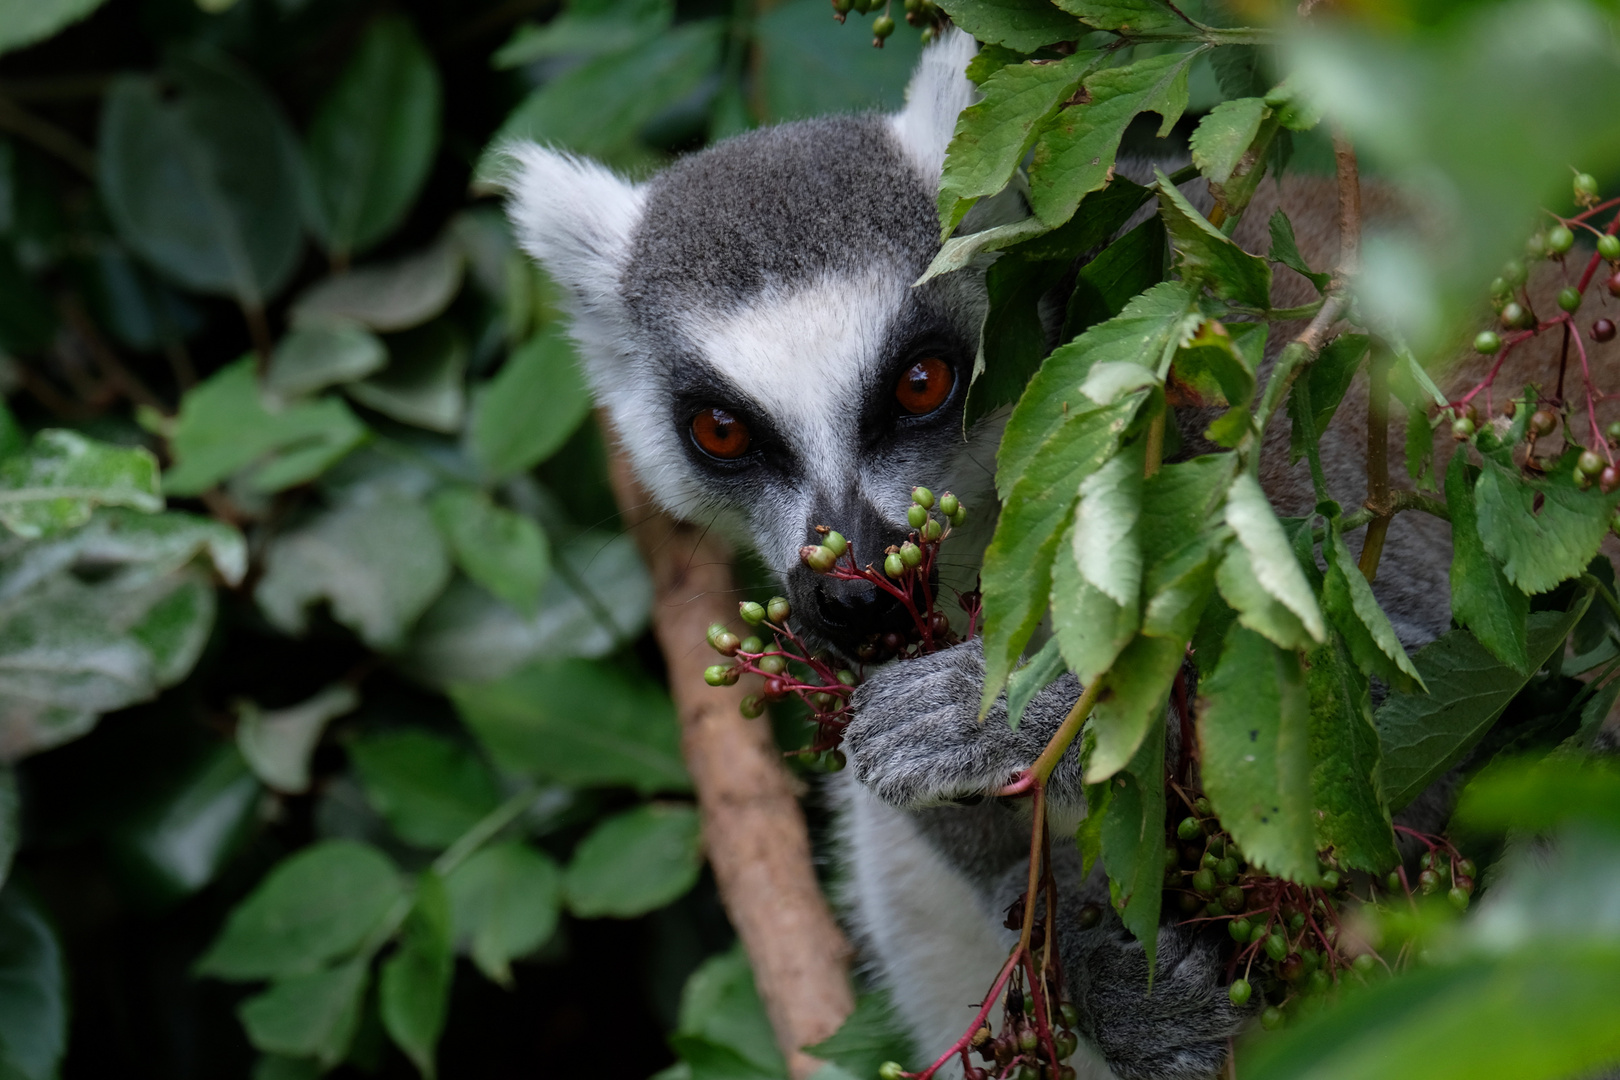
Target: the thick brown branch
(753, 828)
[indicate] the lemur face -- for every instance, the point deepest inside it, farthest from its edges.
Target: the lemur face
(749, 321)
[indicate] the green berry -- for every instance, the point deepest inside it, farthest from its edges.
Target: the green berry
(819, 558)
(923, 497)
(1330, 880)
(1513, 315)
(1559, 239)
(911, 555)
(882, 27)
(1239, 929)
(1429, 882)
(1226, 869)
(726, 644)
(1189, 829)
(1513, 272)
(1208, 860)
(772, 665)
(842, 8)
(1609, 246)
(1364, 964)
(1065, 1043)
(751, 707)
(1536, 246)
(778, 610)
(753, 614)
(1487, 342)
(1296, 921)
(1239, 992)
(1458, 898)
(1258, 932)
(1318, 982)
(1466, 867)
(751, 644)
(1393, 882)
(1277, 947)
(1232, 899)
(846, 677)
(1271, 1019)
(1543, 422)
(893, 564)
(916, 515)
(959, 517)
(932, 530)
(720, 675)
(833, 761)
(1589, 462)
(1068, 1014)
(949, 504)
(1028, 1040)
(890, 1070)
(1204, 881)
(1586, 187)
(1462, 429)
(1569, 298)
(1500, 287)
(1214, 910)
(835, 542)
(714, 632)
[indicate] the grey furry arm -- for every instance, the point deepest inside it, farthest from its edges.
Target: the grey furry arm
(917, 740)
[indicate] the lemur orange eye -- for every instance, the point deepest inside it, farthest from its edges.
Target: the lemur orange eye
(924, 386)
(719, 434)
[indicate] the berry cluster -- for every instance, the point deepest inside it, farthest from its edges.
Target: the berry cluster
(923, 13)
(1519, 323)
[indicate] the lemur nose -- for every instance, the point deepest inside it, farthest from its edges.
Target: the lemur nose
(854, 609)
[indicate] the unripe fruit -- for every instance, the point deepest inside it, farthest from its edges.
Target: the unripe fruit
(1272, 1018)
(1426, 862)
(1559, 239)
(1487, 342)
(1067, 1012)
(916, 515)
(1258, 932)
(1569, 298)
(1065, 1043)
(1513, 315)
(1583, 479)
(1204, 881)
(1429, 882)
(820, 558)
(1465, 882)
(1292, 968)
(751, 707)
(882, 27)
(846, 677)
(949, 504)
(1239, 929)
(772, 665)
(1226, 869)
(1543, 422)
(778, 610)
(751, 644)
(1589, 462)
(891, 1070)
(1028, 1040)
(1239, 992)
(911, 554)
(1586, 187)
(1513, 272)
(1330, 880)
(1500, 287)
(1090, 916)
(959, 517)
(1458, 898)
(925, 37)
(1232, 899)
(893, 565)
(1364, 964)
(714, 632)
(1393, 882)
(1296, 921)
(1603, 330)
(1609, 246)
(1277, 947)
(835, 542)
(923, 497)
(753, 614)
(932, 530)
(726, 644)
(720, 675)
(1318, 982)
(1189, 829)
(1536, 245)
(1462, 429)
(1609, 480)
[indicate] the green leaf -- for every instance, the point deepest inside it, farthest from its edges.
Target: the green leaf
(33, 991)
(872, 1034)
(373, 138)
(379, 563)
(1075, 154)
(1212, 368)
(224, 428)
(1539, 796)
(1254, 731)
(586, 33)
(1133, 841)
(23, 22)
(1017, 565)
(1423, 736)
(1224, 135)
(599, 107)
(1089, 627)
(313, 907)
(1540, 546)
(1268, 560)
(144, 546)
(1015, 337)
(1482, 598)
(1126, 268)
(1023, 25)
(1107, 550)
(1285, 250)
(204, 183)
(1209, 255)
(635, 862)
(1350, 603)
(993, 135)
(10, 819)
(1351, 818)
(424, 382)
(1132, 702)
(1328, 377)
(414, 987)
(311, 358)
(310, 1015)
(183, 840)
(531, 406)
(278, 743)
(502, 550)
(1029, 680)
(1127, 16)
(57, 483)
(387, 296)
(721, 1007)
(506, 899)
(1106, 214)
(578, 722)
(430, 787)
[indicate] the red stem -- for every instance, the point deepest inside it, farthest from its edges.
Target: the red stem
(990, 1000)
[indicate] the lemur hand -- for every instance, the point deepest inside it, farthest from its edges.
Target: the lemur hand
(917, 740)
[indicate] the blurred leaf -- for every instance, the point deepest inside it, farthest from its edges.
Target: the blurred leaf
(719, 1004)
(430, 787)
(205, 185)
(578, 722)
(278, 744)
(1482, 598)
(144, 546)
(379, 562)
(423, 383)
(811, 66)
(1351, 817)
(597, 597)
(10, 821)
(531, 406)
(182, 842)
(373, 138)
(224, 427)
(872, 1034)
(317, 905)
(506, 899)
(1270, 561)
(1424, 735)
(276, 1067)
(311, 358)
(1209, 255)
(1022, 25)
(1075, 155)
(634, 862)
(33, 991)
(1254, 736)
(387, 296)
(586, 32)
(502, 550)
(415, 982)
(1540, 795)
(600, 106)
(310, 1015)
(23, 22)
(58, 481)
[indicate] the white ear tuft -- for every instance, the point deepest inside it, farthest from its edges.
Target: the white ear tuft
(937, 93)
(575, 218)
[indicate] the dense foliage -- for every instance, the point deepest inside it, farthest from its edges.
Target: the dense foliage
(310, 577)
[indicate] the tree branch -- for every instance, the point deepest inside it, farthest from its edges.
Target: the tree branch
(753, 828)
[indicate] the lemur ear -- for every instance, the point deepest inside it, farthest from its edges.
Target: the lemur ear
(937, 93)
(575, 218)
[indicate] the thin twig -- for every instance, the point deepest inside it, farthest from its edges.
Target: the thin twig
(47, 136)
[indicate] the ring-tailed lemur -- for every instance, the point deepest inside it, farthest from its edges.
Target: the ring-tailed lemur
(748, 320)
